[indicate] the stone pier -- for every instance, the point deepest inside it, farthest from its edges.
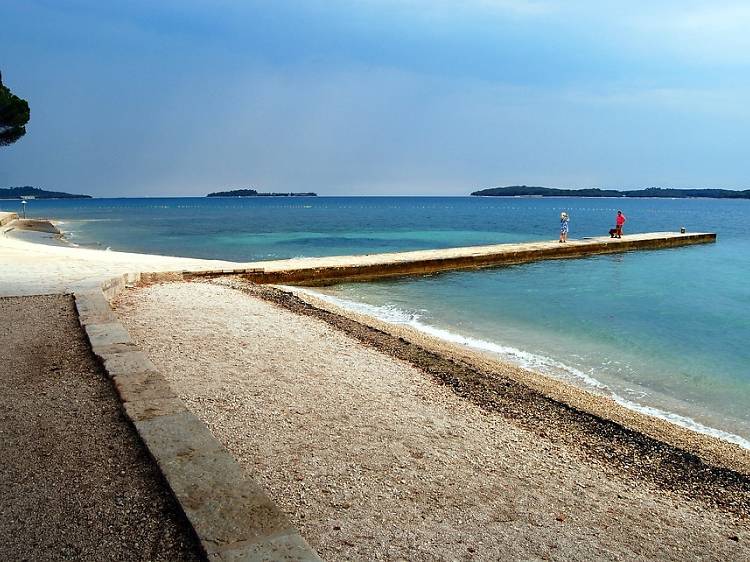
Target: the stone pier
(338, 269)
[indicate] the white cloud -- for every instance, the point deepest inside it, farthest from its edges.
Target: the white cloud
(691, 31)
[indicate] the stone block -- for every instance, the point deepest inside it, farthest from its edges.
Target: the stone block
(104, 334)
(227, 510)
(148, 385)
(93, 308)
(126, 363)
(285, 548)
(152, 408)
(103, 351)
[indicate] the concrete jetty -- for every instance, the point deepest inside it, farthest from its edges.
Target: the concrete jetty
(7, 217)
(337, 269)
(29, 268)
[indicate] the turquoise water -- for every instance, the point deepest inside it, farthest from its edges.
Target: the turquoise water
(664, 331)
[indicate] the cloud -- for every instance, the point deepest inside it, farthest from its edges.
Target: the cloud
(687, 32)
(384, 97)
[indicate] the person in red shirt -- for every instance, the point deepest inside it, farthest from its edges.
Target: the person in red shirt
(619, 222)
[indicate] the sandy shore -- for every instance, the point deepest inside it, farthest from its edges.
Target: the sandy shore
(536, 400)
(376, 459)
(29, 267)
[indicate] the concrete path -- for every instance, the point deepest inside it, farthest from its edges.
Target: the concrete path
(311, 271)
(76, 483)
(28, 268)
(6, 217)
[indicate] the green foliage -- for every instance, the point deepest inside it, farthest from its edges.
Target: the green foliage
(234, 193)
(254, 193)
(526, 191)
(14, 114)
(28, 191)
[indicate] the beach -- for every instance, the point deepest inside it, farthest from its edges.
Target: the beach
(374, 459)
(444, 281)
(381, 442)
(33, 266)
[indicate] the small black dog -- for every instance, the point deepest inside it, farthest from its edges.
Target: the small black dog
(612, 232)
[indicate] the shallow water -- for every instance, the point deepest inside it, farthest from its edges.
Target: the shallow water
(664, 329)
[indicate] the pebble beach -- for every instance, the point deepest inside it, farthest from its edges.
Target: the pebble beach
(382, 444)
(373, 459)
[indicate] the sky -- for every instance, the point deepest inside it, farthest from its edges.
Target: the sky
(376, 97)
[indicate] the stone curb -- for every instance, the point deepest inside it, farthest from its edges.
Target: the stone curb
(231, 515)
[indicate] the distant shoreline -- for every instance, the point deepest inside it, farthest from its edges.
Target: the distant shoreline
(30, 193)
(650, 193)
(254, 193)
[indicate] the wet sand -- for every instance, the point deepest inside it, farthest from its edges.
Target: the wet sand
(380, 449)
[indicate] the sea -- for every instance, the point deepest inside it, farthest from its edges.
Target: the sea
(665, 332)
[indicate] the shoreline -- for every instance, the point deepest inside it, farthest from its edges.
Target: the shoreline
(36, 236)
(484, 348)
(606, 434)
(559, 390)
(536, 379)
(379, 448)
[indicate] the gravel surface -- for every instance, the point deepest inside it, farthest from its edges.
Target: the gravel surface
(374, 459)
(75, 481)
(625, 446)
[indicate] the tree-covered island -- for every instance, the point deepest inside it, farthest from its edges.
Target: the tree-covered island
(254, 193)
(530, 191)
(28, 192)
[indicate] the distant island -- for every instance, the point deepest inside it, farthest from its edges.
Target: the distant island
(529, 191)
(254, 193)
(28, 192)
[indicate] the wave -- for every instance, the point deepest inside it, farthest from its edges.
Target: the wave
(539, 363)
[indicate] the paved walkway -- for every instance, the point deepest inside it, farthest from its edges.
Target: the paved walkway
(28, 268)
(76, 483)
(6, 217)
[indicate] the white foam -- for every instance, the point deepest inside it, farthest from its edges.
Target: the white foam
(682, 421)
(395, 315)
(546, 365)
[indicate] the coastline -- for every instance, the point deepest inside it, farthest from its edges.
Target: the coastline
(96, 264)
(569, 399)
(42, 232)
(29, 266)
(54, 249)
(725, 453)
(343, 419)
(385, 318)
(380, 448)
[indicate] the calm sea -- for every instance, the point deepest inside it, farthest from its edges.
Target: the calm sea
(666, 331)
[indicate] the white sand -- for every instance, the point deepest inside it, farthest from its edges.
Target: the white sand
(28, 268)
(374, 461)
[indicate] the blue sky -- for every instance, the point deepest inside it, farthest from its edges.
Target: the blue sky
(377, 97)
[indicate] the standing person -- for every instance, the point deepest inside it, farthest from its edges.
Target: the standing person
(564, 226)
(619, 221)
